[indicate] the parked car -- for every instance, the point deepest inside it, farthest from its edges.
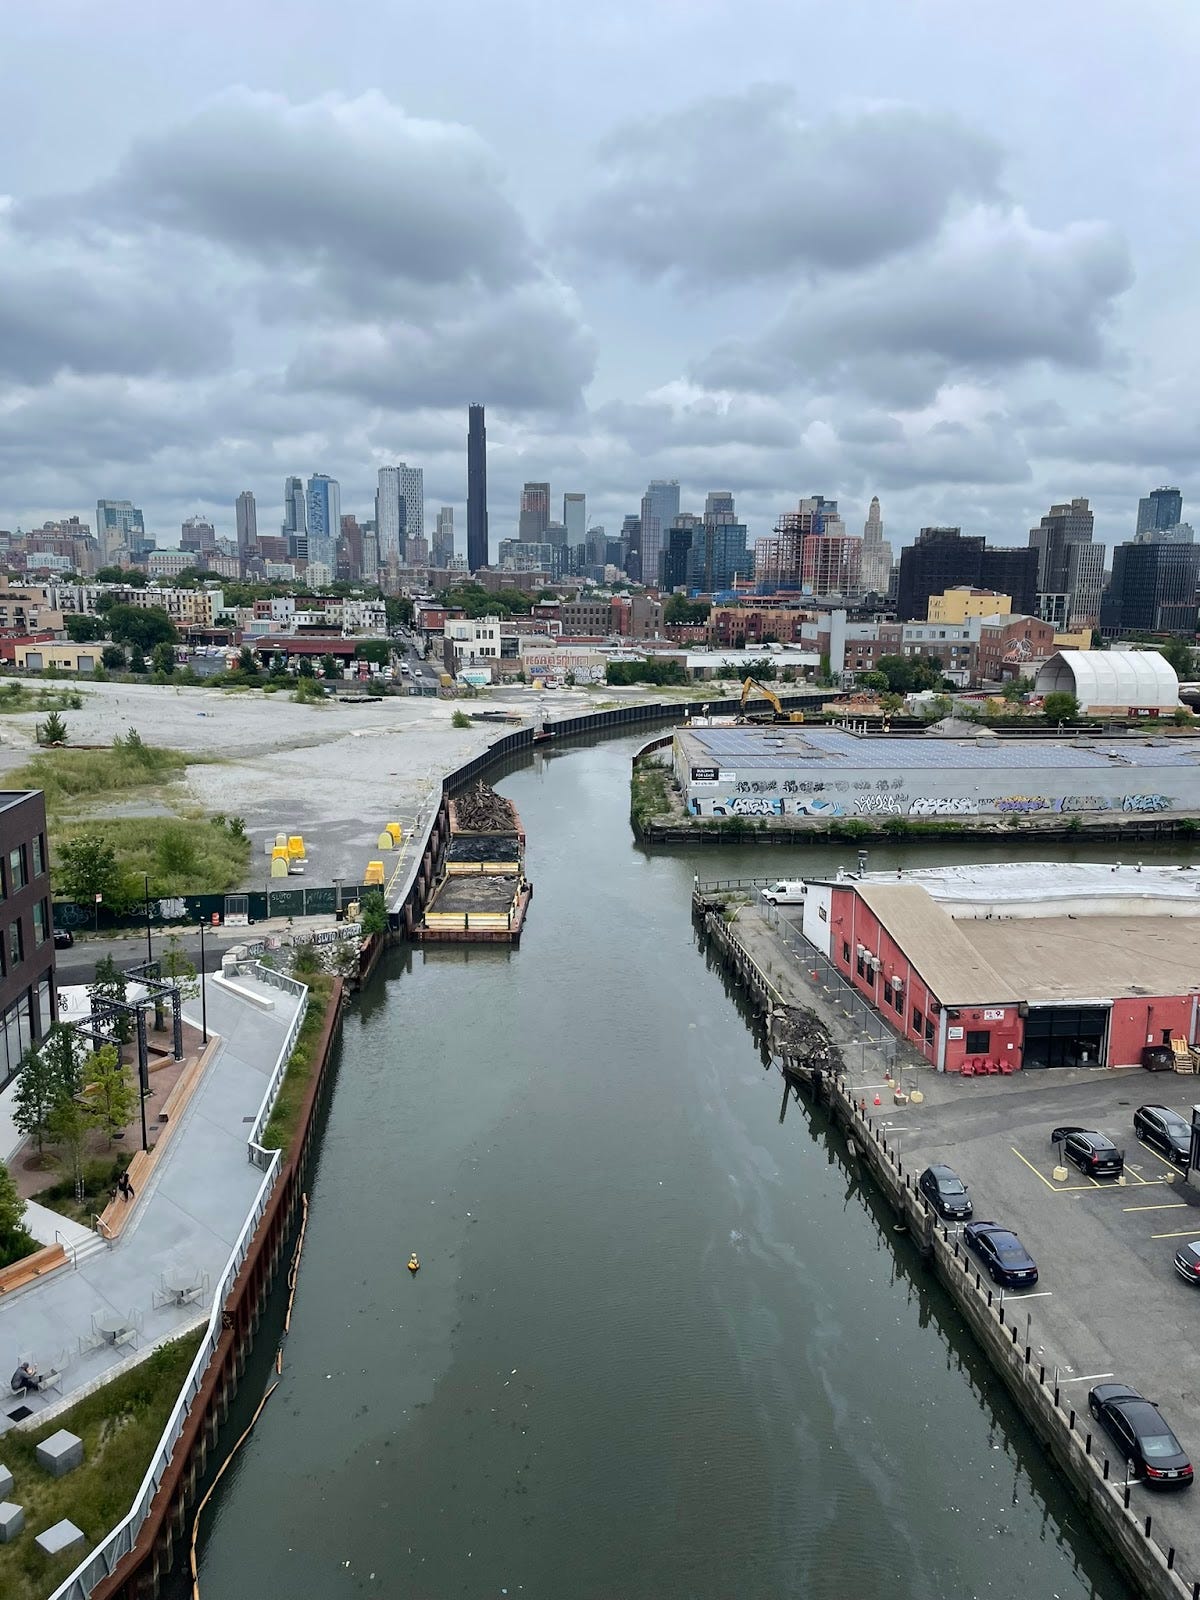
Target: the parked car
(63, 938)
(1187, 1262)
(1158, 1058)
(1140, 1434)
(1002, 1253)
(785, 892)
(946, 1192)
(1166, 1130)
(1093, 1153)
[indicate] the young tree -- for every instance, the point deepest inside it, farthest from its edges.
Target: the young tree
(48, 1075)
(163, 658)
(178, 968)
(137, 661)
(53, 730)
(246, 662)
(373, 913)
(82, 629)
(69, 1128)
(111, 1093)
(15, 1239)
(306, 667)
(109, 987)
(87, 866)
(329, 666)
(1060, 707)
(113, 657)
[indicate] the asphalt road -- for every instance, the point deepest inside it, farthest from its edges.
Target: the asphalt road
(78, 964)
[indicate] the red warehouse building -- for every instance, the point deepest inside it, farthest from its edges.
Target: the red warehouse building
(1020, 965)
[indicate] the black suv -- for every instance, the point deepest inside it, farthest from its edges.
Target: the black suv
(946, 1192)
(1166, 1130)
(1093, 1153)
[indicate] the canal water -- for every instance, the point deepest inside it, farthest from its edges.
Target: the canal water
(661, 1343)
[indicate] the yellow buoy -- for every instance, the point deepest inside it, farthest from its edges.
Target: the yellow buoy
(413, 1264)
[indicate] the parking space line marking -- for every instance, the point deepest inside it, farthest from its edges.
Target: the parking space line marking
(1033, 1169)
(1173, 1205)
(1090, 1378)
(1188, 1233)
(1033, 1294)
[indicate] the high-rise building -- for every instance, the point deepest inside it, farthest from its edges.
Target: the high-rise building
(443, 537)
(1085, 584)
(535, 514)
(718, 554)
(1159, 512)
(718, 507)
(945, 558)
(677, 558)
(119, 526)
(778, 561)
(575, 517)
(1153, 589)
(631, 547)
(349, 564)
(1062, 540)
(247, 524)
(197, 533)
(391, 513)
(295, 516)
(477, 516)
(412, 487)
(660, 507)
(831, 563)
(556, 534)
(324, 511)
(876, 562)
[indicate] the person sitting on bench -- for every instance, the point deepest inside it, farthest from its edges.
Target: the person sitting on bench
(26, 1380)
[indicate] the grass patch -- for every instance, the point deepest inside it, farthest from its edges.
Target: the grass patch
(100, 1174)
(70, 776)
(649, 793)
(285, 1116)
(178, 857)
(120, 1425)
(21, 697)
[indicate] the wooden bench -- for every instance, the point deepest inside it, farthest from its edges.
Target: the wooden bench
(33, 1267)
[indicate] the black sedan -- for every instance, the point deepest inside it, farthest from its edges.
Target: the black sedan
(1093, 1153)
(1166, 1130)
(946, 1192)
(1140, 1434)
(1187, 1262)
(1002, 1253)
(63, 938)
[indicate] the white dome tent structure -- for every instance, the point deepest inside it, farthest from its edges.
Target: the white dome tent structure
(1112, 682)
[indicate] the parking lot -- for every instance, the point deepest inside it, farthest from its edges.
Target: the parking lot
(1108, 1303)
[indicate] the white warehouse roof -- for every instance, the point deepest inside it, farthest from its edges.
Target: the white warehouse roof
(1135, 680)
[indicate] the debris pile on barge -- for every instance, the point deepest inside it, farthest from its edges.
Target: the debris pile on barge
(482, 894)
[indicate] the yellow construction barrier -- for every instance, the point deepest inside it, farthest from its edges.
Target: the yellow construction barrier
(295, 848)
(385, 841)
(396, 831)
(279, 866)
(374, 872)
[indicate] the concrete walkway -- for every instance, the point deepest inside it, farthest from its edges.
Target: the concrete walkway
(186, 1223)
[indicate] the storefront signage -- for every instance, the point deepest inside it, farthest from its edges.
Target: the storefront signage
(955, 1033)
(993, 1016)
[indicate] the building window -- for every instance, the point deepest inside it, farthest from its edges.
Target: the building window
(918, 1020)
(15, 949)
(39, 855)
(16, 868)
(928, 1030)
(845, 952)
(39, 922)
(45, 1011)
(979, 1041)
(861, 972)
(898, 999)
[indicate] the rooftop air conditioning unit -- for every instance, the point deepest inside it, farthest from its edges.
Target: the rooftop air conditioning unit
(897, 983)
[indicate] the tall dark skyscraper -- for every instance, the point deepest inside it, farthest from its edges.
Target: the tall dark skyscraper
(477, 517)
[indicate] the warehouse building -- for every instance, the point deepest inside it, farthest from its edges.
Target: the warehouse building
(825, 773)
(1000, 967)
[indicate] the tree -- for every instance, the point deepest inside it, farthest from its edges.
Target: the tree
(131, 577)
(87, 866)
(1178, 655)
(1060, 707)
(874, 680)
(49, 1073)
(679, 609)
(377, 650)
(398, 610)
(111, 1095)
(1098, 640)
(329, 667)
(113, 657)
(69, 1128)
(306, 667)
(178, 967)
(82, 629)
(108, 988)
(163, 658)
(15, 1238)
(143, 626)
(373, 913)
(137, 661)
(247, 663)
(53, 730)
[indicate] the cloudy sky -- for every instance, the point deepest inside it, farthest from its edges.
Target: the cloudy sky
(942, 253)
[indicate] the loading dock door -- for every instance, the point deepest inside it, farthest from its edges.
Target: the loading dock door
(1065, 1036)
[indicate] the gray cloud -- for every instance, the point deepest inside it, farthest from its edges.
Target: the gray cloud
(745, 186)
(991, 293)
(353, 188)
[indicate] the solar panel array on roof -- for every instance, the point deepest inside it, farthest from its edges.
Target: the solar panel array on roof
(746, 748)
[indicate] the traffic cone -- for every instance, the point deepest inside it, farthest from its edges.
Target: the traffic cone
(877, 1100)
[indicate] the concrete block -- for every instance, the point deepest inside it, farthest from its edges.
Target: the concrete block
(62, 1536)
(12, 1520)
(61, 1453)
(6, 1483)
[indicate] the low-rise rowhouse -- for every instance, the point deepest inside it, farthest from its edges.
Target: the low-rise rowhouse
(1036, 965)
(824, 773)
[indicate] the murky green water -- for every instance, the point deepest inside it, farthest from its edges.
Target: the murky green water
(661, 1344)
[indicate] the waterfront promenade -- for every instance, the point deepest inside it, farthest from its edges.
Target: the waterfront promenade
(185, 1225)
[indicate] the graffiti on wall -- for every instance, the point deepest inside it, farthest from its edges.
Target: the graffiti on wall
(879, 805)
(1145, 802)
(1022, 804)
(959, 805)
(743, 805)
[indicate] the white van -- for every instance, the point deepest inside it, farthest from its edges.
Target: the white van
(786, 892)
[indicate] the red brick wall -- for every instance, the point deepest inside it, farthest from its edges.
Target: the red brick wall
(1133, 1024)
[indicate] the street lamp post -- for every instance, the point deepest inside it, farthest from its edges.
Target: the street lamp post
(149, 948)
(203, 989)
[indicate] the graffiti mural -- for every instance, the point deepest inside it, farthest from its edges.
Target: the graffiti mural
(1145, 802)
(1085, 802)
(878, 805)
(1025, 803)
(926, 805)
(825, 809)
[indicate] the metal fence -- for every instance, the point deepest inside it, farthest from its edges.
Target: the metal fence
(187, 910)
(103, 1560)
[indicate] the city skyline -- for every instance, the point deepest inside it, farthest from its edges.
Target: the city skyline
(982, 317)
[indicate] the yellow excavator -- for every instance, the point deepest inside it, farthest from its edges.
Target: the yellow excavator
(778, 714)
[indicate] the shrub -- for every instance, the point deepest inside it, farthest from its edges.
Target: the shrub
(460, 719)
